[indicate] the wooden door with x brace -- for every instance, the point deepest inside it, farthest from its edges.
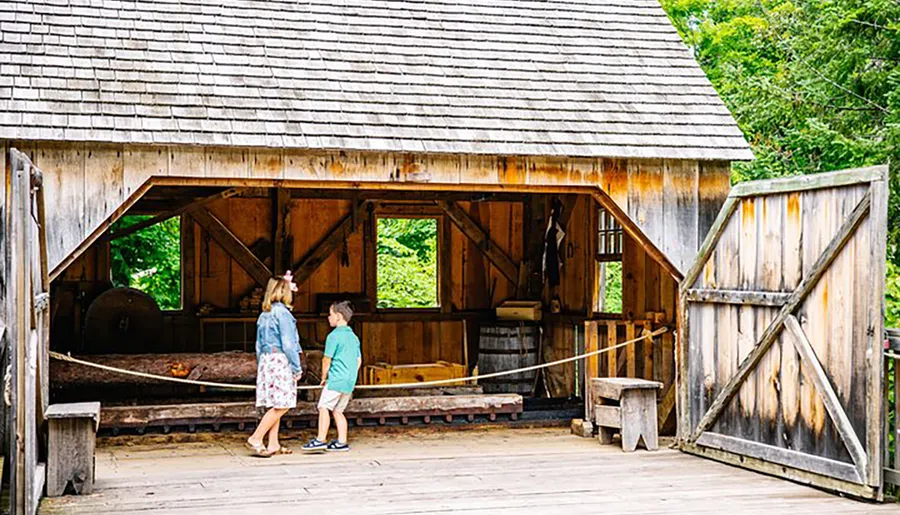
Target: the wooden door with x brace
(780, 369)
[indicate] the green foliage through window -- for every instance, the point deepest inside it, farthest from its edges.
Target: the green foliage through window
(612, 296)
(407, 263)
(149, 260)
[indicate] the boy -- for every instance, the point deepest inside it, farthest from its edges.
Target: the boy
(340, 366)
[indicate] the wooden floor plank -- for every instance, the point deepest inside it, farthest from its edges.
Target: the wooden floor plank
(430, 471)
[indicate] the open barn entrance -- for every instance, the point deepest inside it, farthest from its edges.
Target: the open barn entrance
(426, 268)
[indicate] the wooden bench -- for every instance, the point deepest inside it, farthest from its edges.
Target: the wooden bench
(70, 458)
(629, 406)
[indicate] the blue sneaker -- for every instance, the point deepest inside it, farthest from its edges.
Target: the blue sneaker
(335, 446)
(314, 446)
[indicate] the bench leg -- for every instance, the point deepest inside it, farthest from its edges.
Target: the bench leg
(605, 435)
(650, 429)
(639, 420)
(71, 456)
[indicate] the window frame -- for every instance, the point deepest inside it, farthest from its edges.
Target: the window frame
(182, 279)
(418, 211)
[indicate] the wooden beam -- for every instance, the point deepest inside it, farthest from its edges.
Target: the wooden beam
(781, 456)
(398, 210)
(17, 307)
(568, 204)
(420, 195)
(372, 407)
(232, 245)
(814, 370)
(875, 390)
(42, 299)
(666, 405)
(785, 471)
(326, 246)
(445, 265)
(370, 255)
(131, 229)
(474, 232)
(811, 182)
(632, 229)
(771, 333)
(745, 298)
(281, 230)
(535, 224)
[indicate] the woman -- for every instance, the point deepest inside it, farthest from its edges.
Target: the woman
(278, 364)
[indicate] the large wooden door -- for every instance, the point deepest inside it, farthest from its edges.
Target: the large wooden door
(24, 278)
(781, 364)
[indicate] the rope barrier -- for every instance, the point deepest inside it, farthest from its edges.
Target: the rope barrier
(66, 357)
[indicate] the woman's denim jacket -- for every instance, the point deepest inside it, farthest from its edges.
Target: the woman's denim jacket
(276, 331)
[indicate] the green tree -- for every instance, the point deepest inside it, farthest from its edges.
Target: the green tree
(814, 84)
(407, 263)
(149, 260)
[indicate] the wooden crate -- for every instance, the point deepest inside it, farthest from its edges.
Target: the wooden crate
(384, 373)
(519, 310)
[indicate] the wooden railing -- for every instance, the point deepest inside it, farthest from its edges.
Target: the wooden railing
(652, 359)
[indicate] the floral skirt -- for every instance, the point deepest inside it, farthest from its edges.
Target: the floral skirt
(275, 386)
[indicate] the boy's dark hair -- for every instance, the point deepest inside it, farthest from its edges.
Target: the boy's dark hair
(343, 308)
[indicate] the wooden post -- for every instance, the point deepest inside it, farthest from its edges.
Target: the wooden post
(535, 224)
(190, 291)
(445, 265)
(281, 231)
(4, 279)
(648, 348)
(591, 365)
(612, 356)
(370, 257)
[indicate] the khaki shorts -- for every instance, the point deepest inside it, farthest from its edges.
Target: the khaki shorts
(334, 401)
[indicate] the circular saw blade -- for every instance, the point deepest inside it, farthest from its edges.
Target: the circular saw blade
(122, 321)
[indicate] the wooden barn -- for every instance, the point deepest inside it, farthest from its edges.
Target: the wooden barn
(280, 133)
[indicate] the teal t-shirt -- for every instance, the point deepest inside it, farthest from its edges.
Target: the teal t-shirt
(342, 346)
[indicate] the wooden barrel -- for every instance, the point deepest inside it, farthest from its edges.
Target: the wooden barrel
(508, 346)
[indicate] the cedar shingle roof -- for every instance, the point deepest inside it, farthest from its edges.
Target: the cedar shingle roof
(517, 77)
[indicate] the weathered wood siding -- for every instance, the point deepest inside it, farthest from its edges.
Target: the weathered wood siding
(671, 201)
(768, 248)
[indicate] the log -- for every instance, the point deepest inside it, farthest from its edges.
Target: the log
(223, 367)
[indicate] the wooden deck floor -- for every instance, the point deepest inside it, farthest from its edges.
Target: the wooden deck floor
(494, 471)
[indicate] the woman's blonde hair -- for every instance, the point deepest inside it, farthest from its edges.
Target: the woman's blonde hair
(278, 290)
